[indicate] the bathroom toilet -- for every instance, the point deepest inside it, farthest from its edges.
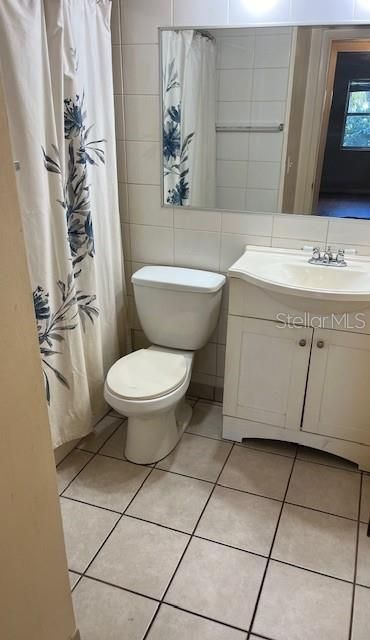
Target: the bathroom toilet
(178, 310)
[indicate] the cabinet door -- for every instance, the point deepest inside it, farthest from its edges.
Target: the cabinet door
(266, 371)
(338, 391)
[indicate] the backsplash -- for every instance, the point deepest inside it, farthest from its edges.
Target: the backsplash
(191, 238)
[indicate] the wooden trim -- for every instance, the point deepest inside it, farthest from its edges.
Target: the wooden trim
(337, 46)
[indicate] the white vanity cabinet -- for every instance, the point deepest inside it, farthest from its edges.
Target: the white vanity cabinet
(268, 363)
(338, 388)
(295, 383)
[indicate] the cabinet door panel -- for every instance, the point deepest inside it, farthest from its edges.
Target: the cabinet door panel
(266, 371)
(338, 391)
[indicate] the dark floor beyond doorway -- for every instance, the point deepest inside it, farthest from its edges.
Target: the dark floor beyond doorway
(339, 205)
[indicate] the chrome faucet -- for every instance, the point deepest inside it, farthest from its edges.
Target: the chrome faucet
(327, 257)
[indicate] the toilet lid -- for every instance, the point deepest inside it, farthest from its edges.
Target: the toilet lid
(146, 374)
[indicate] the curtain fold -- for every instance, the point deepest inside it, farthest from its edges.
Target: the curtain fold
(55, 58)
(189, 118)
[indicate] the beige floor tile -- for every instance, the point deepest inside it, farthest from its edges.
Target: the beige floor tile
(271, 446)
(323, 457)
(365, 499)
(299, 605)
(70, 467)
(115, 446)
(172, 500)
(217, 582)
(331, 490)
(106, 613)
(85, 529)
(361, 614)
(363, 562)
(240, 519)
(200, 458)
(140, 556)
(101, 433)
(174, 624)
(312, 540)
(258, 472)
(108, 483)
(73, 578)
(206, 420)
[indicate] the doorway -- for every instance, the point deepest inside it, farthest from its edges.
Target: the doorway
(342, 186)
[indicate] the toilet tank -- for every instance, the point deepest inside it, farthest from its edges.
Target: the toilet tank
(178, 308)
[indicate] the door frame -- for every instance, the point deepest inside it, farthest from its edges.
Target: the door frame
(316, 97)
(36, 593)
(337, 46)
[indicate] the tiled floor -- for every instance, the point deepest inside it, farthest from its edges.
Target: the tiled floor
(219, 541)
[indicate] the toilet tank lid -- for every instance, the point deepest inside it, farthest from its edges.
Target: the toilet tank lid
(177, 278)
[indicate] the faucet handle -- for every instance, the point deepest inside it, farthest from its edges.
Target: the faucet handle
(340, 256)
(316, 253)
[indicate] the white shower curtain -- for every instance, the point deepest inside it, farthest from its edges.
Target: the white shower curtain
(55, 58)
(189, 118)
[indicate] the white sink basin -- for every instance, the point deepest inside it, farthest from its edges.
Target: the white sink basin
(286, 272)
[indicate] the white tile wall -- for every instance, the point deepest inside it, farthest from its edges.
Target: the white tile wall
(308, 227)
(232, 146)
(232, 173)
(140, 69)
(197, 220)
(324, 12)
(140, 20)
(199, 249)
(196, 12)
(142, 117)
(208, 239)
(235, 85)
(250, 11)
(144, 206)
(270, 85)
(151, 244)
(362, 10)
(231, 198)
(253, 71)
(235, 52)
(143, 162)
(263, 175)
(272, 50)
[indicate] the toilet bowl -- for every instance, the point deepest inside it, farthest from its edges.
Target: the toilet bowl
(149, 387)
(178, 309)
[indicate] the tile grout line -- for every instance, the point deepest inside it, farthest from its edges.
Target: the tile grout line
(93, 455)
(83, 573)
(76, 447)
(188, 543)
(91, 504)
(356, 560)
(211, 540)
(98, 452)
(249, 635)
(80, 575)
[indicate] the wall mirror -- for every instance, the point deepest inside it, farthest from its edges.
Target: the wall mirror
(267, 119)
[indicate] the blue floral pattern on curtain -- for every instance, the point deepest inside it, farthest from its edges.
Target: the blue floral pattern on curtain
(175, 151)
(52, 326)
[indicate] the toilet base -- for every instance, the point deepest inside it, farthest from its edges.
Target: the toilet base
(152, 437)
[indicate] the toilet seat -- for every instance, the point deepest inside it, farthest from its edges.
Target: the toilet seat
(147, 374)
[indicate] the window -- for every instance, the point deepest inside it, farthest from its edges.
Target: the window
(356, 134)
